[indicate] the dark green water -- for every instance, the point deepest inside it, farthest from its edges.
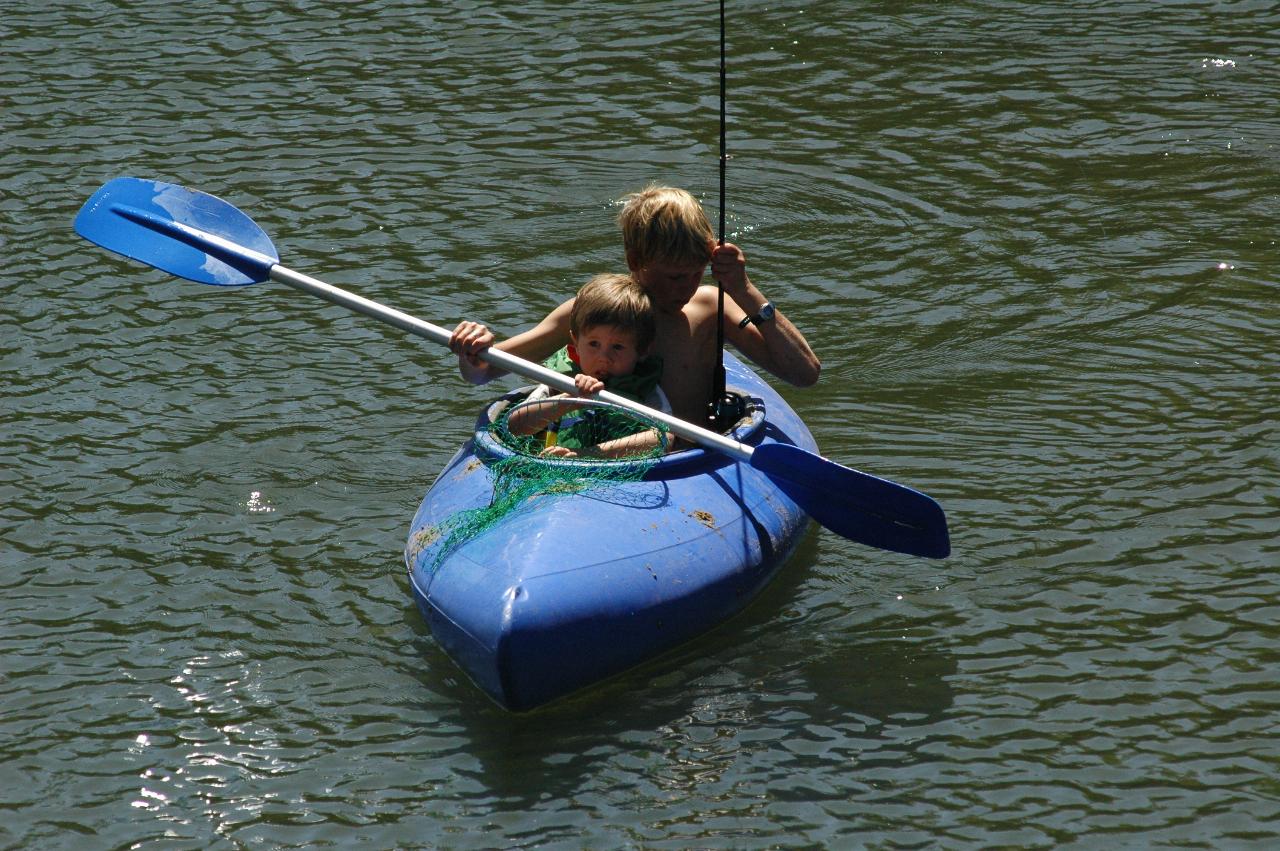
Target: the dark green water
(1034, 244)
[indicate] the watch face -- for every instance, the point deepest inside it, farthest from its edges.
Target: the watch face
(766, 312)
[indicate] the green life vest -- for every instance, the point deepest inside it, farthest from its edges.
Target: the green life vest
(592, 426)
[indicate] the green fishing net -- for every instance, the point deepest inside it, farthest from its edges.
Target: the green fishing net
(554, 446)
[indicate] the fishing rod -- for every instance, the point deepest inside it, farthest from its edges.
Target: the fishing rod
(725, 408)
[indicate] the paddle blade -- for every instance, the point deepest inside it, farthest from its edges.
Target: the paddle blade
(186, 233)
(859, 506)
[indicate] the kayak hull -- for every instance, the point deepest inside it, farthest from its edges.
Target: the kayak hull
(571, 589)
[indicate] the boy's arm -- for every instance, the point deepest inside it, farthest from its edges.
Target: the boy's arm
(533, 418)
(536, 344)
(775, 344)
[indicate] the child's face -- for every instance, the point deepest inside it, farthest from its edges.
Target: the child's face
(606, 350)
(670, 285)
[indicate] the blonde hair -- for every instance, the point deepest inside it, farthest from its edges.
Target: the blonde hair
(666, 225)
(615, 300)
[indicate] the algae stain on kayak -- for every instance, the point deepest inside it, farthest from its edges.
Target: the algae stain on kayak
(422, 539)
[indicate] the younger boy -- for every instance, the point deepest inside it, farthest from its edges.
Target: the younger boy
(668, 242)
(611, 332)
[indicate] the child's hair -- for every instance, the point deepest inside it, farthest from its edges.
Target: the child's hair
(614, 300)
(666, 225)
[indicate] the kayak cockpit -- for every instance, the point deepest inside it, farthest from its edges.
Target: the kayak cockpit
(748, 429)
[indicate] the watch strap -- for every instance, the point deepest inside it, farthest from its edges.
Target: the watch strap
(766, 313)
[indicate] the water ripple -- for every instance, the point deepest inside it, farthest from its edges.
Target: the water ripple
(1033, 246)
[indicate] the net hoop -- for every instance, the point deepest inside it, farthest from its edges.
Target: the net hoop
(626, 423)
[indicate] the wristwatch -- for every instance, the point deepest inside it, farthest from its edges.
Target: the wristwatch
(765, 315)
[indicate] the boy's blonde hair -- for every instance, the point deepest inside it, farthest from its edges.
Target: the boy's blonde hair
(615, 300)
(665, 225)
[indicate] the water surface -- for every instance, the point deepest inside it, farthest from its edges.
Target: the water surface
(1033, 243)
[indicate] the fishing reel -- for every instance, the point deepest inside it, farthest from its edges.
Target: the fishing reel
(724, 411)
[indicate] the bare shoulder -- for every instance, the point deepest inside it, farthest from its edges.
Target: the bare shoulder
(704, 305)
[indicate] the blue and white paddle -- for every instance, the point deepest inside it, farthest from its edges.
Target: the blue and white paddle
(197, 236)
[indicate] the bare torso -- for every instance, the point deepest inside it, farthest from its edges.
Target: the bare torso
(687, 342)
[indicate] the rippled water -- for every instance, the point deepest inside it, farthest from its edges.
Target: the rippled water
(1034, 244)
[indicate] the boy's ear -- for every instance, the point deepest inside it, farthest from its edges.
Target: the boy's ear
(633, 260)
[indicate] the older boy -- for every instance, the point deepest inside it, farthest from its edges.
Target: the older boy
(668, 242)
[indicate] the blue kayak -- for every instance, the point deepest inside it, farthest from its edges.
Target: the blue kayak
(573, 588)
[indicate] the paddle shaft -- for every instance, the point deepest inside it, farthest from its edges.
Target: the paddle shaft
(197, 236)
(502, 360)
(229, 251)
